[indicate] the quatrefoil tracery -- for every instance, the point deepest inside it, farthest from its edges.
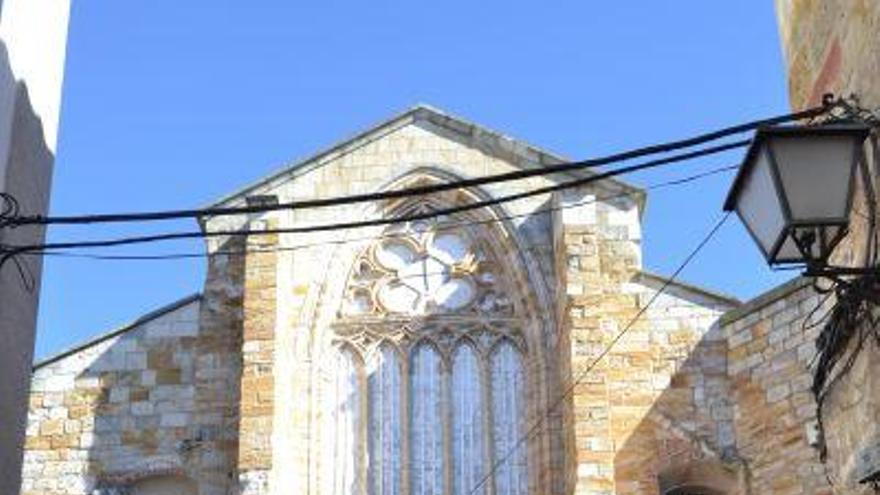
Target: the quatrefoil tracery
(424, 271)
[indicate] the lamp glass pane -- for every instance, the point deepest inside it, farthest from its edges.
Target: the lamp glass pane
(789, 251)
(758, 204)
(815, 172)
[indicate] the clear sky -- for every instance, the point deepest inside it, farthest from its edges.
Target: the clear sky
(171, 104)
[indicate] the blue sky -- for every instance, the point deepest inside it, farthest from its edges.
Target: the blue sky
(171, 104)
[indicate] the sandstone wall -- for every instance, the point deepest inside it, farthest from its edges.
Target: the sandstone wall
(583, 262)
(295, 294)
(656, 405)
(303, 289)
(140, 403)
(771, 344)
(832, 46)
(226, 390)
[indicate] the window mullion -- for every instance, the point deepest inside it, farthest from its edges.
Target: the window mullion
(446, 414)
(405, 421)
(363, 423)
(488, 421)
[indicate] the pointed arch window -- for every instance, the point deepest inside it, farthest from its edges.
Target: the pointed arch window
(507, 411)
(427, 458)
(342, 412)
(443, 385)
(385, 416)
(468, 421)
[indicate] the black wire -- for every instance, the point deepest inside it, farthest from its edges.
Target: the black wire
(380, 221)
(9, 209)
(443, 227)
(433, 188)
(583, 374)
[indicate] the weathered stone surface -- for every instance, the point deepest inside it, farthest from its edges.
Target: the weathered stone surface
(228, 390)
(95, 416)
(831, 46)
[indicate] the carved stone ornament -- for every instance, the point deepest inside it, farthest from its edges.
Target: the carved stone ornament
(425, 269)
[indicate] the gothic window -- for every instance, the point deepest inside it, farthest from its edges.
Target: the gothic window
(384, 436)
(426, 420)
(507, 405)
(440, 396)
(343, 417)
(468, 436)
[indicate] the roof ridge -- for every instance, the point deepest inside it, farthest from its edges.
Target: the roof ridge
(418, 112)
(714, 294)
(147, 317)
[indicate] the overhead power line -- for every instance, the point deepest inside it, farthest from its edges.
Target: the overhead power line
(422, 190)
(586, 371)
(387, 235)
(12, 250)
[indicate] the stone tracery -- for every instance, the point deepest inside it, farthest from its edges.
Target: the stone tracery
(422, 269)
(431, 301)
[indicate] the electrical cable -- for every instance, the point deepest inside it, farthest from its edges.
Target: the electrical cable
(433, 188)
(12, 250)
(388, 235)
(583, 373)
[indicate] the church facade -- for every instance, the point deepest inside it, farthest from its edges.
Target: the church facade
(441, 350)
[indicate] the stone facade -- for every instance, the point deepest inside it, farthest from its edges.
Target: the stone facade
(144, 401)
(771, 343)
(831, 46)
(229, 391)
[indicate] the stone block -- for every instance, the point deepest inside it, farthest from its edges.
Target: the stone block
(119, 394)
(778, 393)
(174, 419)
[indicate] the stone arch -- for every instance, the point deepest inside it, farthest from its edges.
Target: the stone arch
(698, 477)
(533, 307)
(521, 265)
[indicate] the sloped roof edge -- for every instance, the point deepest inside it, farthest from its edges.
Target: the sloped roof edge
(765, 298)
(419, 112)
(150, 316)
(712, 294)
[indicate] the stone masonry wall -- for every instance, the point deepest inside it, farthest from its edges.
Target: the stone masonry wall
(309, 272)
(832, 46)
(309, 278)
(590, 251)
(225, 390)
(771, 344)
(130, 407)
(658, 398)
(258, 361)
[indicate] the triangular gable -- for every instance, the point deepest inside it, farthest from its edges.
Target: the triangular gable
(489, 141)
(138, 323)
(686, 290)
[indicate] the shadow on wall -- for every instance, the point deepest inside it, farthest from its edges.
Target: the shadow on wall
(684, 443)
(167, 421)
(150, 408)
(736, 415)
(25, 172)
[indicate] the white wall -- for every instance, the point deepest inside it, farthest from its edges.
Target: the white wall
(33, 36)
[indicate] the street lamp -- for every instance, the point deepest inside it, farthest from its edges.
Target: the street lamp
(794, 191)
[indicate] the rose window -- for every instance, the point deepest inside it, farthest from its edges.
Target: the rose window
(425, 272)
